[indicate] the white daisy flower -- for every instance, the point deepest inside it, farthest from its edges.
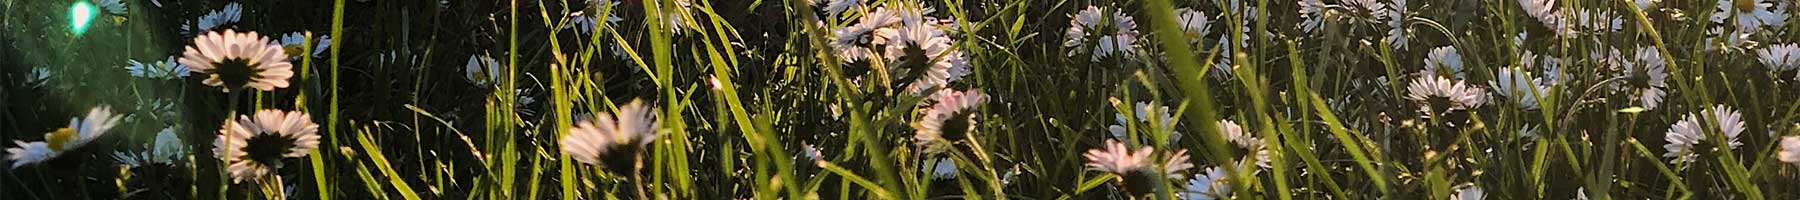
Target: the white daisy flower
(1545, 12)
(1207, 186)
(166, 69)
(165, 149)
(1519, 89)
(951, 119)
(1790, 150)
(812, 153)
(853, 42)
(1116, 37)
(483, 70)
(1592, 20)
(1312, 12)
(923, 46)
(836, 7)
(38, 76)
(635, 126)
(1143, 112)
(79, 132)
(942, 168)
(1195, 23)
(1528, 132)
(1747, 15)
(1470, 193)
(1684, 134)
(291, 44)
(1645, 75)
(1398, 30)
(1444, 61)
(1231, 131)
(1780, 57)
(1132, 165)
(255, 145)
(1439, 93)
(238, 60)
(587, 23)
(116, 7)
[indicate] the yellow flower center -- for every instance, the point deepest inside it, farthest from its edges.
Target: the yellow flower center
(294, 49)
(59, 137)
(1745, 5)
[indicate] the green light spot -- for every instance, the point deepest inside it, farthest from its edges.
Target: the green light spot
(80, 15)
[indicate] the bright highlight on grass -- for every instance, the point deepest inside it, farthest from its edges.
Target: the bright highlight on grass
(80, 15)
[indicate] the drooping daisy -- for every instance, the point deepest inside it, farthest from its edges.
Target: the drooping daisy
(79, 133)
(238, 60)
(165, 149)
(1444, 61)
(1684, 134)
(624, 134)
(1645, 75)
(166, 69)
(941, 169)
(1439, 94)
(1780, 57)
(1115, 37)
(483, 70)
(1143, 112)
(922, 48)
(116, 7)
(1207, 186)
(291, 43)
(951, 119)
(231, 14)
(1790, 150)
(254, 146)
(1522, 91)
(1470, 193)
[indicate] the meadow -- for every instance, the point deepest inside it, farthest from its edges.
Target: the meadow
(900, 99)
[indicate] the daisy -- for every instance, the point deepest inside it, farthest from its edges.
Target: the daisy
(1444, 61)
(231, 14)
(165, 149)
(1517, 88)
(1684, 134)
(853, 42)
(1645, 74)
(949, 120)
(1439, 93)
(1747, 15)
(1312, 12)
(166, 69)
(923, 46)
(1207, 186)
(79, 132)
(1231, 131)
(587, 23)
(1194, 23)
(1143, 112)
(1115, 37)
(812, 153)
(1790, 150)
(482, 70)
(836, 7)
(1591, 20)
(942, 168)
(1545, 13)
(292, 44)
(116, 7)
(1528, 132)
(1470, 193)
(1135, 168)
(238, 60)
(255, 145)
(634, 127)
(1780, 57)
(1397, 18)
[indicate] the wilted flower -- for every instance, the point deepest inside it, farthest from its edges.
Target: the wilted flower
(1684, 134)
(238, 60)
(79, 132)
(634, 127)
(254, 146)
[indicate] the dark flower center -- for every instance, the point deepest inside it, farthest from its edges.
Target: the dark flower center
(957, 126)
(1640, 77)
(235, 72)
(1439, 103)
(268, 149)
(1142, 181)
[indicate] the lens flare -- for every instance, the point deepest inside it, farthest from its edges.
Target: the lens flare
(80, 15)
